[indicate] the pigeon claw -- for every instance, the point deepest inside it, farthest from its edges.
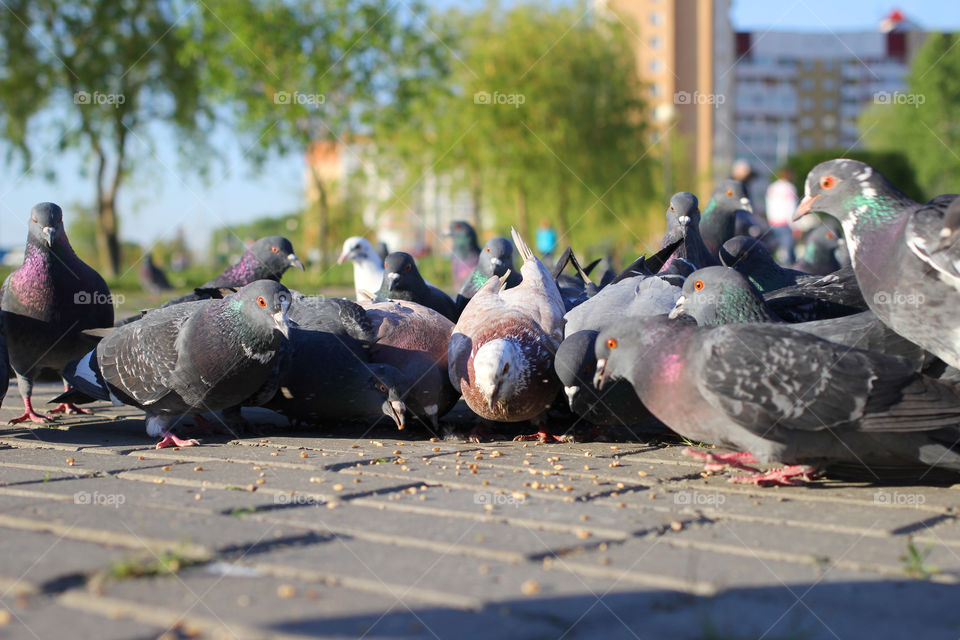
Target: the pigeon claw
(32, 416)
(68, 408)
(789, 476)
(543, 435)
(714, 462)
(171, 440)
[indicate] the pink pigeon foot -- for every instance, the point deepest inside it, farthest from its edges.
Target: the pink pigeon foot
(790, 476)
(31, 415)
(714, 462)
(543, 435)
(171, 440)
(68, 408)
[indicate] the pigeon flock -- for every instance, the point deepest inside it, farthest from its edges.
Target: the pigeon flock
(844, 364)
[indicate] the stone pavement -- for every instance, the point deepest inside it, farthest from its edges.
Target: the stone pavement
(363, 531)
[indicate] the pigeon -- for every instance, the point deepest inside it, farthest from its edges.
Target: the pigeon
(501, 351)
(752, 259)
(830, 296)
(266, 259)
(414, 339)
(47, 303)
(643, 266)
(788, 397)
(718, 221)
(351, 389)
(337, 316)
(466, 251)
(683, 223)
(402, 281)
(576, 365)
(630, 298)
(496, 260)
(188, 358)
(821, 247)
(719, 295)
(911, 287)
(367, 264)
(152, 278)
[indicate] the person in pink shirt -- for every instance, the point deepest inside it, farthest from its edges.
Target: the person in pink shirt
(781, 201)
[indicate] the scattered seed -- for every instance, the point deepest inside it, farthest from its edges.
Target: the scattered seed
(495, 454)
(286, 591)
(198, 468)
(676, 525)
(165, 468)
(530, 588)
(303, 454)
(274, 453)
(338, 487)
(583, 534)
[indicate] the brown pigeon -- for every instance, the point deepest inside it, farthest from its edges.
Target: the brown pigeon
(502, 349)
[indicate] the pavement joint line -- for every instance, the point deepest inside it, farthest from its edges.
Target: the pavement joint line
(379, 587)
(102, 537)
(164, 617)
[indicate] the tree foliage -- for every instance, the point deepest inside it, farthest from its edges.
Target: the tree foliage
(91, 76)
(921, 122)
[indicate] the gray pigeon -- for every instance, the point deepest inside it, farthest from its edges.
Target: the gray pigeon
(152, 278)
(719, 295)
(821, 248)
(47, 302)
(402, 281)
(718, 222)
(683, 223)
(789, 397)
(752, 259)
(831, 296)
(496, 260)
(189, 358)
(630, 298)
(911, 286)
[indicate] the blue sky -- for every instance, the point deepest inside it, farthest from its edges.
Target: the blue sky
(162, 195)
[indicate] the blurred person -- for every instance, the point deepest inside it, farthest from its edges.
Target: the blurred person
(546, 239)
(781, 203)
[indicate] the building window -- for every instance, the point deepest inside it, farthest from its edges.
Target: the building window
(655, 90)
(807, 84)
(654, 42)
(829, 84)
(806, 122)
(829, 104)
(655, 18)
(655, 65)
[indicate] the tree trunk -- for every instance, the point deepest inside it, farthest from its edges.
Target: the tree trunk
(107, 246)
(323, 217)
(477, 202)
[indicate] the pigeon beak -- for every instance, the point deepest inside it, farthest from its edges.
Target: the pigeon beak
(392, 280)
(494, 397)
(678, 309)
(745, 203)
(282, 322)
(496, 262)
(343, 256)
(599, 379)
(395, 410)
(571, 392)
(805, 207)
(48, 233)
(294, 261)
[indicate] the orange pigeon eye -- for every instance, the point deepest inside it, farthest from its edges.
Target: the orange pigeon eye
(488, 249)
(382, 388)
(830, 235)
(698, 285)
(274, 249)
(671, 208)
(729, 193)
(828, 182)
(261, 301)
(612, 343)
(407, 268)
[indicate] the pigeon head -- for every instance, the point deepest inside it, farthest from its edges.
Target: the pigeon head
(620, 346)
(730, 196)
(720, 295)
(821, 243)
(264, 304)
(683, 212)
(575, 363)
(400, 272)
(464, 236)
(275, 255)
(849, 190)
(500, 370)
(383, 385)
(46, 224)
(746, 255)
(358, 249)
(496, 257)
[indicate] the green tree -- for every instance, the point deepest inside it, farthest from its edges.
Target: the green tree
(296, 73)
(542, 118)
(93, 75)
(921, 122)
